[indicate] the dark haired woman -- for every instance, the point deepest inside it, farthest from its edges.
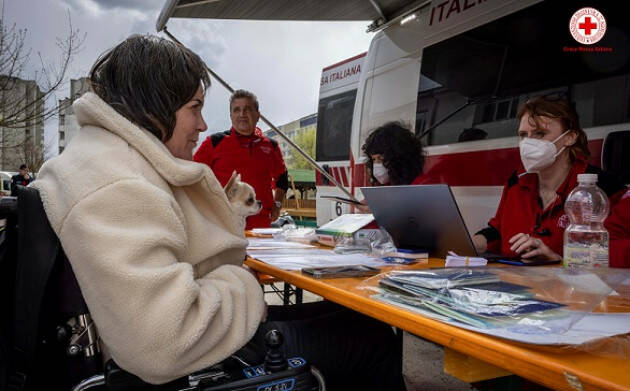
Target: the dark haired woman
(394, 155)
(155, 245)
(530, 219)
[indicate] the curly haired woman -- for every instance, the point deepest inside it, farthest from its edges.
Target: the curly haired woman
(395, 156)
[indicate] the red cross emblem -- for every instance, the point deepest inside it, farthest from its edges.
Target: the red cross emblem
(587, 25)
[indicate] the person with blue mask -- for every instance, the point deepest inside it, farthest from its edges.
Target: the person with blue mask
(530, 219)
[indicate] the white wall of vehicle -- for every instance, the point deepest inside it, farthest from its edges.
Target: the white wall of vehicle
(388, 89)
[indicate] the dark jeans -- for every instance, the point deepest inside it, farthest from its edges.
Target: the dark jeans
(353, 351)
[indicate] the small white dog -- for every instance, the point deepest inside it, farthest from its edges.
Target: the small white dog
(242, 197)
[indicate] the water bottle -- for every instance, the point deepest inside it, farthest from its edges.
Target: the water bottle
(586, 239)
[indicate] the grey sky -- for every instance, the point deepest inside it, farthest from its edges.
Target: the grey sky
(279, 61)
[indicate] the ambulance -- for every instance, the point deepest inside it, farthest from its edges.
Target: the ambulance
(337, 94)
(455, 71)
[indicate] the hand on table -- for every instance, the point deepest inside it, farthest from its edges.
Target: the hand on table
(527, 247)
(275, 213)
(363, 208)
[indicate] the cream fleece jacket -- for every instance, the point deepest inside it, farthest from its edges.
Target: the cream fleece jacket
(154, 244)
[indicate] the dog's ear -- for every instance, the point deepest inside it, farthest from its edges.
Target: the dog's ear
(238, 176)
(231, 193)
(231, 182)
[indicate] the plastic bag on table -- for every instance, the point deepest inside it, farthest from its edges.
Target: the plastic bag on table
(366, 241)
(353, 245)
(382, 244)
(291, 233)
(569, 309)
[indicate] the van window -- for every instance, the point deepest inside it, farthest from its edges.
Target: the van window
(334, 122)
(481, 76)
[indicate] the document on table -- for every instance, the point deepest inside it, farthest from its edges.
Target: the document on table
(271, 244)
(468, 298)
(266, 231)
(296, 260)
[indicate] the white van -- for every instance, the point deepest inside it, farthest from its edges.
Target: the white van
(337, 94)
(444, 66)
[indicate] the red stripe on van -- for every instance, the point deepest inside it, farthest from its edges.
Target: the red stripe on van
(344, 61)
(344, 176)
(478, 168)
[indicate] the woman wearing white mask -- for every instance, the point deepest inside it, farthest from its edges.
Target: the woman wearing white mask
(395, 157)
(530, 219)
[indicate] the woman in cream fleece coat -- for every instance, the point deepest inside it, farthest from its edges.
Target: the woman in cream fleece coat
(150, 234)
(156, 247)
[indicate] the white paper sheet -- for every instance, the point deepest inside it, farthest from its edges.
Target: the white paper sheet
(458, 261)
(266, 231)
(303, 259)
(272, 244)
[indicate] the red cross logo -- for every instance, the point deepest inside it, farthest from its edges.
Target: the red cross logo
(587, 26)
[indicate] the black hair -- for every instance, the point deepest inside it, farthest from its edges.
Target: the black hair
(23, 167)
(146, 79)
(401, 150)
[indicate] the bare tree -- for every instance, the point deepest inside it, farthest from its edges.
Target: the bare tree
(33, 153)
(19, 110)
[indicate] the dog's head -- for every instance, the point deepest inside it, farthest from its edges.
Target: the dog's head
(242, 196)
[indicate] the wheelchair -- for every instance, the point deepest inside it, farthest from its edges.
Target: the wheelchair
(49, 340)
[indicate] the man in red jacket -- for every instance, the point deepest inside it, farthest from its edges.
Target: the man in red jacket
(618, 226)
(246, 150)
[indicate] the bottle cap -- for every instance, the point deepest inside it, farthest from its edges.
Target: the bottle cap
(587, 178)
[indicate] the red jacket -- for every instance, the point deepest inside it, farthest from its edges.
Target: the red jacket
(618, 226)
(520, 209)
(257, 158)
(421, 179)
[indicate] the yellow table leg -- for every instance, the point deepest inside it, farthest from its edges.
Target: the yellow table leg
(470, 369)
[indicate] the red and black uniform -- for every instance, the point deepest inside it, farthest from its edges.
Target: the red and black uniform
(618, 226)
(257, 158)
(520, 209)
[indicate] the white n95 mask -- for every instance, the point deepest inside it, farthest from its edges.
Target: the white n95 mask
(537, 154)
(380, 173)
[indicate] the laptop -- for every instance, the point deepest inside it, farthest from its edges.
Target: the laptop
(421, 217)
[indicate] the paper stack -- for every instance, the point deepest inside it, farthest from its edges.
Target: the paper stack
(460, 261)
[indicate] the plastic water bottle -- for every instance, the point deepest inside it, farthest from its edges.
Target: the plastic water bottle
(586, 239)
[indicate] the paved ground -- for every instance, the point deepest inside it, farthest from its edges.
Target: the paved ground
(422, 360)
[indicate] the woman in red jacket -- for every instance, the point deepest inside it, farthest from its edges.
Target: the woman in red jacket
(530, 219)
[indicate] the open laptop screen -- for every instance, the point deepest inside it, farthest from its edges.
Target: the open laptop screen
(421, 217)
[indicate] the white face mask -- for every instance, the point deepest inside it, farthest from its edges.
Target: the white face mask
(538, 154)
(380, 173)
